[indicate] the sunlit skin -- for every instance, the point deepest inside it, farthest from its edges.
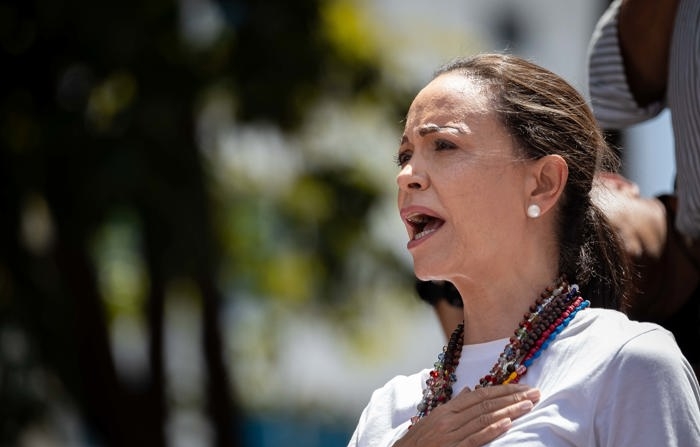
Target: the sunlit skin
(459, 165)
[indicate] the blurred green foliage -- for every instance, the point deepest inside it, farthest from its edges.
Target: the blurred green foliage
(107, 200)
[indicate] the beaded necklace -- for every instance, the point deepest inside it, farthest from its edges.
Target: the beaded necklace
(550, 314)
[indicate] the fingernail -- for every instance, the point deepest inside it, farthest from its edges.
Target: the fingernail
(532, 394)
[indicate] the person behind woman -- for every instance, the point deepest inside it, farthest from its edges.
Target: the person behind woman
(496, 166)
(644, 58)
(445, 302)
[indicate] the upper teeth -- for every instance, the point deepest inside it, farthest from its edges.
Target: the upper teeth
(418, 218)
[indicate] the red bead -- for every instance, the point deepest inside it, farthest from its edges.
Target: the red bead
(535, 329)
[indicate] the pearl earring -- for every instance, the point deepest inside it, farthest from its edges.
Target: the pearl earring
(533, 211)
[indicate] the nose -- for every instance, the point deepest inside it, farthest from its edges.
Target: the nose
(409, 178)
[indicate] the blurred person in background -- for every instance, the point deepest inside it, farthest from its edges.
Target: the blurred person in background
(445, 301)
(496, 166)
(645, 57)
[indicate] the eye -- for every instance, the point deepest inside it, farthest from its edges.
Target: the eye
(402, 158)
(443, 145)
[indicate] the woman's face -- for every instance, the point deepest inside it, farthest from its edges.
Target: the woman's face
(462, 194)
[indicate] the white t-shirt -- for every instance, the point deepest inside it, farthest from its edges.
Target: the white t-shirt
(604, 381)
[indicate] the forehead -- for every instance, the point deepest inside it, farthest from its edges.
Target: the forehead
(455, 101)
(451, 97)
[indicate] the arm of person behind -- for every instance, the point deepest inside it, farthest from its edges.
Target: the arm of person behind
(614, 103)
(645, 28)
(640, 222)
(666, 276)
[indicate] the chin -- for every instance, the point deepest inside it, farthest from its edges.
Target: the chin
(436, 269)
(426, 273)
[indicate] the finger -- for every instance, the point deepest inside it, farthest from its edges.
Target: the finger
(481, 421)
(468, 398)
(488, 426)
(487, 434)
(512, 412)
(492, 410)
(617, 182)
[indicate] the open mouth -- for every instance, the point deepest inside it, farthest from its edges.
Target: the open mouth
(422, 225)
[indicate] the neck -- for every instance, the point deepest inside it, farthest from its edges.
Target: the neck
(497, 290)
(549, 315)
(493, 310)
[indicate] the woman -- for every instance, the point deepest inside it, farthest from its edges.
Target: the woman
(496, 167)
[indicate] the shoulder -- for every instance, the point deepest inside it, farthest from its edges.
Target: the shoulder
(633, 354)
(616, 334)
(389, 410)
(613, 344)
(642, 379)
(616, 326)
(400, 392)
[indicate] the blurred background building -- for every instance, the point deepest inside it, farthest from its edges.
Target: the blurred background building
(200, 244)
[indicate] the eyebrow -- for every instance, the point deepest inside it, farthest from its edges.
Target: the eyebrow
(433, 128)
(427, 129)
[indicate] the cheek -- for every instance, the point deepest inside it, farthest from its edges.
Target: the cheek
(487, 204)
(477, 189)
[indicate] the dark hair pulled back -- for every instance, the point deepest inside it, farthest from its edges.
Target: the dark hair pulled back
(545, 115)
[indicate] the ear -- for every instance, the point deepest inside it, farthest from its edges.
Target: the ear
(546, 181)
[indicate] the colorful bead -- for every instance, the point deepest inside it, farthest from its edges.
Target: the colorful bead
(552, 312)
